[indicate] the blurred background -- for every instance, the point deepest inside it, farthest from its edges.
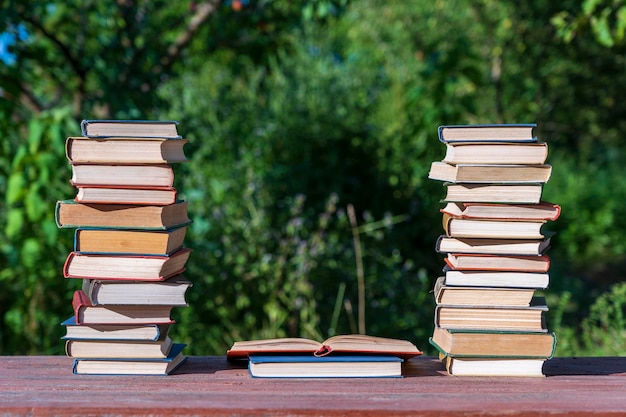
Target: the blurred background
(312, 126)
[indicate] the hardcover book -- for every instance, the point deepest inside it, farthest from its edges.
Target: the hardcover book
(496, 153)
(70, 214)
(488, 174)
(111, 175)
(492, 229)
(493, 193)
(496, 278)
(542, 211)
(125, 267)
(481, 296)
(480, 262)
(87, 313)
(341, 366)
(132, 366)
(170, 292)
(130, 128)
(488, 246)
(512, 367)
(129, 242)
(119, 348)
(513, 132)
(140, 196)
(82, 150)
(74, 331)
(493, 344)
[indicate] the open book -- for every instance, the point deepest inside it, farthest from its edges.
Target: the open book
(341, 344)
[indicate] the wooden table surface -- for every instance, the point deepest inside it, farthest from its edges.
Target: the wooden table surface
(210, 386)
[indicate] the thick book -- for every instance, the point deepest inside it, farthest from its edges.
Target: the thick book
(511, 132)
(527, 153)
(481, 296)
(488, 174)
(125, 267)
(515, 279)
(129, 242)
(130, 128)
(496, 344)
(87, 313)
(116, 175)
(496, 318)
(341, 366)
(121, 292)
(509, 367)
(118, 348)
(459, 227)
(131, 366)
(493, 193)
(482, 262)
(445, 244)
(113, 195)
(82, 150)
(70, 214)
(341, 344)
(541, 211)
(147, 332)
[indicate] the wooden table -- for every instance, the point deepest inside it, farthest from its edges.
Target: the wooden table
(209, 386)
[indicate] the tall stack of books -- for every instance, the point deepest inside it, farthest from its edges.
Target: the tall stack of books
(128, 247)
(489, 318)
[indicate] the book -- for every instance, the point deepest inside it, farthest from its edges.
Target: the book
(460, 366)
(121, 292)
(492, 229)
(342, 366)
(70, 214)
(125, 151)
(483, 173)
(496, 278)
(493, 193)
(541, 211)
(341, 344)
(447, 244)
(115, 175)
(467, 343)
(483, 262)
(522, 153)
(521, 318)
(514, 132)
(149, 331)
(129, 242)
(118, 348)
(481, 296)
(110, 195)
(132, 128)
(131, 366)
(112, 175)
(86, 313)
(125, 267)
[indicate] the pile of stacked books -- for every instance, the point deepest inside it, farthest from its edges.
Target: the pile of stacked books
(489, 318)
(128, 247)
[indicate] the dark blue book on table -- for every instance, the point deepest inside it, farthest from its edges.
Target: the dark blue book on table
(132, 366)
(331, 366)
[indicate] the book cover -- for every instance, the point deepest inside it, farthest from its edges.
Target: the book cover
(170, 292)
(132, 151)
(157, 196)
(489, 174)
(87, 313)
(542, 211)
(492, 193)
(488, 246)
(122, 175)
(340, 366)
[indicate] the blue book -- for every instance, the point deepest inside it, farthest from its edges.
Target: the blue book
(132, 366)
(337, 366)
(130, 128)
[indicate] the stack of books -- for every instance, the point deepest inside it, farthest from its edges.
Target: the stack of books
(489, 318)
(128, 247)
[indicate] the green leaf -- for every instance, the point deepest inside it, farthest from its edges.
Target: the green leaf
(15, 222)
(35, 134)
(15, 188)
